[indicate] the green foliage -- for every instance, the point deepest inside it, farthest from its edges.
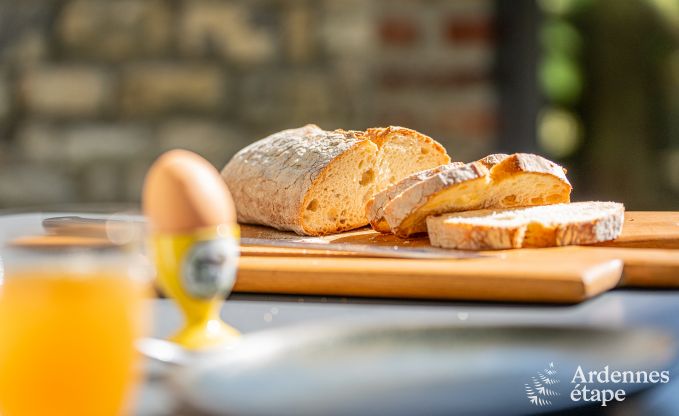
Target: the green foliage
(560, 79)
(560, 36)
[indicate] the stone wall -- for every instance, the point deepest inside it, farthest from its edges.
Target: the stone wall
(91, 91)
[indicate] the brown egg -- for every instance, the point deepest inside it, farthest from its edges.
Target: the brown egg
(184, 192)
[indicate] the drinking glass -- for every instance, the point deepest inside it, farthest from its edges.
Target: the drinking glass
(71, 307)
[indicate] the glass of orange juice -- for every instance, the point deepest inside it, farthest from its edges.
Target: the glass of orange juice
(71, 307)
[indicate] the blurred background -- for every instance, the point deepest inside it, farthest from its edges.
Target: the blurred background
(91, 91)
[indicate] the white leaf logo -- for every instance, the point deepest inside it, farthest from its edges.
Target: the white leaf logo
(538, 391)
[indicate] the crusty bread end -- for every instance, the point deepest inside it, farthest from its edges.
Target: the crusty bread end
(542, 226)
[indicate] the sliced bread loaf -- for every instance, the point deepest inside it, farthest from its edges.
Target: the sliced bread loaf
(316, 182)
(517, 180)
(542, 226)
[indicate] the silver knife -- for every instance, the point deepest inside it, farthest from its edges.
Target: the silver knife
(76, 225)
(366, 250)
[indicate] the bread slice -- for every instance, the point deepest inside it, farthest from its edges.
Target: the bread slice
(517, 180)
(375, 207)
(542, 226)
(317, 182)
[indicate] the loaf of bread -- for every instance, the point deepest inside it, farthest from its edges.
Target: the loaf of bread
(542, 226)
(498, 181)
(317, 182)
(375, 207)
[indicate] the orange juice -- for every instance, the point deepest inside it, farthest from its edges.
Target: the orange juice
(66, 343)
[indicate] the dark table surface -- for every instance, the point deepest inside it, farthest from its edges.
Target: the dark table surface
(620, 308)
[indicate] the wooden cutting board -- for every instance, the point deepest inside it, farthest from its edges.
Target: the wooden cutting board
(646, 254)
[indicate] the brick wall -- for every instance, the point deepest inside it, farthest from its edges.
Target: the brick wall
(91, 91)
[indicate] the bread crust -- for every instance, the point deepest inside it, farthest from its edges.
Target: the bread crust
(493, 159)
(474, 236)
(526, 162)
(589, 232)
(380, 135)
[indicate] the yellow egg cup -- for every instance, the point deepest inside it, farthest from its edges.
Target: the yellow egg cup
(197, 271)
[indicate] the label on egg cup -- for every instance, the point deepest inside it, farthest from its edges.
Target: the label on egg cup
(209, 268)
